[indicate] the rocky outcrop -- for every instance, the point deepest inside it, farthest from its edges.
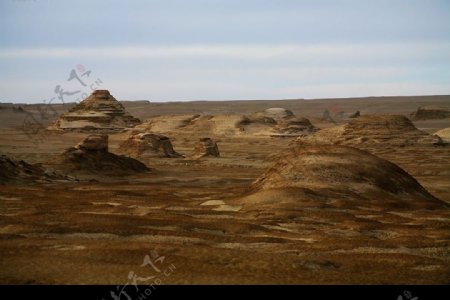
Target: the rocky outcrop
(17, 171)
(148, 145)
(99, 111)
(335, 176)
(206, 147)
(195, 126)
(95, 142)
(355, 115)
(444, 134)
(92, 155)
(295, 126)
(431, 112)
(277, 113)
(270, 122)
(275, 121)
(373, 130)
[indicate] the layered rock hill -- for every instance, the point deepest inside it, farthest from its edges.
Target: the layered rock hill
(275, 121)
(99, 111)
(148, 145)
(349, 204)
(431, 112)
(92, 155)
(205, 147)
(270, 122)
(373, 130)
(336, 176)
(193, 125)
(444, 134)
(18, 171)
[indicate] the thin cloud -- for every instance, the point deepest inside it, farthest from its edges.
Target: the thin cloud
(250, 52)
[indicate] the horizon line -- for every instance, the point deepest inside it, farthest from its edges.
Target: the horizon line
(233, 100)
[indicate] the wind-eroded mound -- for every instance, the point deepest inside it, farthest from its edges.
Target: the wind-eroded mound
(444, 134)
(12, 170)
(277, 113)
(431, 112)
(148, 145)
(99, 111)
(192, 125)
(205, 147)
(270, 122)
(331, 175)
(92, 155)
(275, 121)
(374, 130)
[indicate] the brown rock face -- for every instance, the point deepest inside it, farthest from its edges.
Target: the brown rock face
(148, 145)
(355, 115)
(295, 126)
(444, 134)
(14, 171)
(382, 123)
(97, 142)
(275, 121)
(339, 175)
(101, 94)
(99, 111)
(373, 130)
(206, 147)
(431, 112)
(92, 155)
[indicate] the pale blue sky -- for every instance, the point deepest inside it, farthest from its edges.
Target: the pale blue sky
(225, 49)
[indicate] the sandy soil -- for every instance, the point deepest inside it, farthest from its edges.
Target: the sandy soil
(101, 228)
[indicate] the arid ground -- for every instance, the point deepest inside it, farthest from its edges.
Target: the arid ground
(186, 215)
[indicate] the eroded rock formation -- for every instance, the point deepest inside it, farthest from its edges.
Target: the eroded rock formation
(92, 155)
(206, 147)
(99, 111)
(148, 145)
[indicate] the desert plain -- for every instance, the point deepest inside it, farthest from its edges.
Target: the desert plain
(348, 200)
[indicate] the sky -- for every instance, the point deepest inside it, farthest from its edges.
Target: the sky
(178, 50)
